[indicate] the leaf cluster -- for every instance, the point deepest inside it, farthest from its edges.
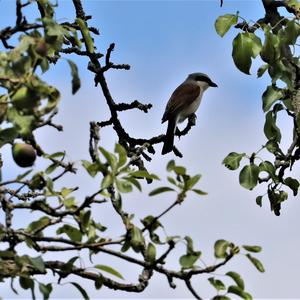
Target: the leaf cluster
(277, 52)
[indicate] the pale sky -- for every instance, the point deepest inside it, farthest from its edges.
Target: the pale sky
(164, 41)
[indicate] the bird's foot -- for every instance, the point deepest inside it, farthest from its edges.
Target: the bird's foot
(192, 120)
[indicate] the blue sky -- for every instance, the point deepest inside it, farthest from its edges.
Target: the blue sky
(164, 41)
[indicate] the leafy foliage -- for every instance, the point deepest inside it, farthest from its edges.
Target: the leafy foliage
(277, 52)
(65, 222)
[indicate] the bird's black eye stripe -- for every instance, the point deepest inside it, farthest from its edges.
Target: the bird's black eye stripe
(203, 78)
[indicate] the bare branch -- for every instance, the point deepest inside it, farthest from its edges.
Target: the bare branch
(191, 289)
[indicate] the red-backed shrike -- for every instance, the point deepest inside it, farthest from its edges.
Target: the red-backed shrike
(184, 101)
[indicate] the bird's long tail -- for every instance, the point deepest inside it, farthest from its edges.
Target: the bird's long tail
(169, 138)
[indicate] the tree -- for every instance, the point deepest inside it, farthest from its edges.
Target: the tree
(280, 59)
(66, 223)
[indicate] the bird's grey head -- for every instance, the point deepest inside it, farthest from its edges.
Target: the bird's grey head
(201, 78)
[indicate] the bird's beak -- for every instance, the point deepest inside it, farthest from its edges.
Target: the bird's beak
(213, 84)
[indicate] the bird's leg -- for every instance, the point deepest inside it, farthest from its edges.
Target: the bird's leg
(191, 122)
(178, 132)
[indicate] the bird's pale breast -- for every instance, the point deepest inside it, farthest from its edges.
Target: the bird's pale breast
(190, 109)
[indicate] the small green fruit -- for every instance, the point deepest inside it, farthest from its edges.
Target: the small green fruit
(24, 155)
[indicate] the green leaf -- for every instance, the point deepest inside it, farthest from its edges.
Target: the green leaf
(256, 44)
(86, 35)
(277, 107)
(93, 168)
(151, 253)
(187, 261)
(134, 182)
(143, 174)
(44, 64)
(262, 69)
(107, 181)
(99, 283)
(65, 192)
(217, 284)
(272, 146)
(151, 223)
(81, 290)
(69, 203)
(259, 200)
(293, 3)
(125, 246)
(179, 170)
(190, 183)
(23, 123)
(245, 46)
(271, 131)
(237, 278)
(199, 192)
(279, 70)
(51, 168)
(38, 263)
(46, 290)
(26, 283)
(137, 241)
(268, 167)
(70, 263)
(109, 270)
(24, 99)
(220, 248)
(37, 225)
(224, 23)
(257, 263)
(123, 186)
(170, 165)
(99, 226)
(85, 218)
(221, 297)
(8, 135)
(293, 184)
(254, 249)
(270, 51)
(275, 200)
(110, 158)
(160, 190)
(53, 96)
(189, 245)
(49, 185)
(172, 180)
(232, 160)
(73, 233)
(122, 155)
(248, 176)
(270, 96)
(291, 32)
(54, 32)
(55, 155)
(75, 76)
(236, 290)
(22, 176)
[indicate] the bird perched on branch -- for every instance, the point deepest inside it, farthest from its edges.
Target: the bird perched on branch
(184, 101)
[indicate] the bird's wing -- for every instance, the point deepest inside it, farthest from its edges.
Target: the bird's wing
(184, 95)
